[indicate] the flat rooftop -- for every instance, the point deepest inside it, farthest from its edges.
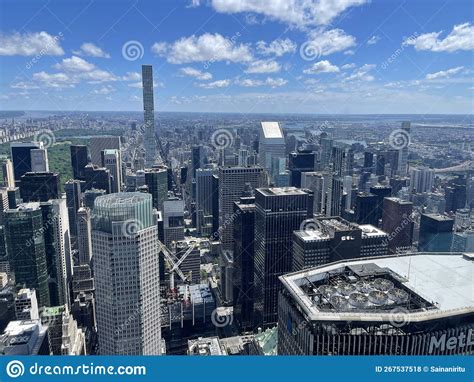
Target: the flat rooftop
(271, 130)
(281, 191)
(427, 285)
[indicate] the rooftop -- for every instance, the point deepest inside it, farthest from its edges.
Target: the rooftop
(280, 191)
(427, 285)
(272, 130)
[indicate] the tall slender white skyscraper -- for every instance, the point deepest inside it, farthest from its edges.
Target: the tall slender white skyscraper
(126, 269)
(149, 116)
(403, 152)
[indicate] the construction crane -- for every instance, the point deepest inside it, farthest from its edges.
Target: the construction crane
(174, 262)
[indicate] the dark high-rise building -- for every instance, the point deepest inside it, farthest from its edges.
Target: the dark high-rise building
(334, 200)
(396, 221)
(26, 249)
(326, 240)
(14, 198)
(197, 156)
(368, 160)
(39, 186)
(300, 161)
(381, 192)
(384, 159)
(156, 180)
(278, 212)
(397, 183)
(204, 200)
(326, 151)
(72, 188)
(342, 160)
(79, 160)
(455, 194)
(101, 143)
(232, 182)
(149, 116)
(21, 157)
(98, 177)
(365, 208)
(436, 233)
(89, 197)
(244, 262)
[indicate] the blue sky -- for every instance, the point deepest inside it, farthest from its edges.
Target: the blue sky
(290, 56)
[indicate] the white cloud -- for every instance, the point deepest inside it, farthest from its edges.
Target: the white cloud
(263, 66)
(24, 85)
(444, 73)
(277, 47)
(348, 66)
(107, 89)
(30, 44)
(198, 74)
(300, 13)
(349, 52)
(321, 67)
(272, 82)
(207, 47)
(159, 48)
(132, 76)
(460, 38)
(275, 82)
(362, 74)
(55, 80)
(326, 42)
(215, 84)
(373, 40)
(89, 49)
(139, 84)
(74, 64)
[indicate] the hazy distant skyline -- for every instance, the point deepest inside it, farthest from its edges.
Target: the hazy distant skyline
(244, 56)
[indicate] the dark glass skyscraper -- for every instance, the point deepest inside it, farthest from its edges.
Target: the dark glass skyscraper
(21, 157)
(436, 233)
(279, 212)
(39, 186)
(149, 116)
(79, 160)
(26, 249)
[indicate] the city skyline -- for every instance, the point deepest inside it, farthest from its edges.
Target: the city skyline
(352, 57)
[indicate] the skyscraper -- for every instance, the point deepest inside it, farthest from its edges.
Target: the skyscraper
(421, 179)
(72, 188)
(26, 249)
(21, 157)
(112, 161)
(244, 262)
(436, 233)
(39, 186)
(57, 244)
(204, 201)
(396, 221)
(149, 116)
(125, 246)
(278, 212)
(232, 182)
(403, 152)
(101, 143)
(79, 160)
(84, 235)
(300, 161)
(39, 160)
(271, 145)
(156, 179)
